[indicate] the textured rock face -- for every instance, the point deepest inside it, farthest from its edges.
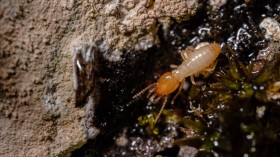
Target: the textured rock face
(131, 24)
(272, 28)
(38, 116)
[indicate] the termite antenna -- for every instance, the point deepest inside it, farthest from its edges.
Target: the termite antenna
(144, 90)
(161, 109)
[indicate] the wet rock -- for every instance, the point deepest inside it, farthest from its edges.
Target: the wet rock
(187, 151)
(216, 4)
(133, 25)
(272, 28)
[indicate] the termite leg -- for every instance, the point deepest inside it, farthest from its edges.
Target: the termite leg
(184, 55)
(161, 109)
(173, 66)
(144, 90)
(192, 79)
(209, 70)
(179, 91)
(212, 67)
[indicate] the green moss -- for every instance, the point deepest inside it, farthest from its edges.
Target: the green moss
(194, 125)
(148, 122)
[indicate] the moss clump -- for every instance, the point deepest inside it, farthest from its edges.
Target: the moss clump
(148, 120)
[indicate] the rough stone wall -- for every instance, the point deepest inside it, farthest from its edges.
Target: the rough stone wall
(38, 116)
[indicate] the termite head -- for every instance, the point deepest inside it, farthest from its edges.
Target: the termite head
(165, 85)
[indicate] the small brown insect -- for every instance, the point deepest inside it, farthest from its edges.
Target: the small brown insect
(196, 61)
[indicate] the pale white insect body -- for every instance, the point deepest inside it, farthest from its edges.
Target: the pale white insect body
(197, 60)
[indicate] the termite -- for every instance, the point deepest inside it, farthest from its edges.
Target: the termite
(196, 61)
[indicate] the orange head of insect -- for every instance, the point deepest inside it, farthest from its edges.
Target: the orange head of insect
(166, 84)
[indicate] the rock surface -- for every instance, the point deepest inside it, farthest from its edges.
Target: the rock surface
(38, 116)
(272, 28)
